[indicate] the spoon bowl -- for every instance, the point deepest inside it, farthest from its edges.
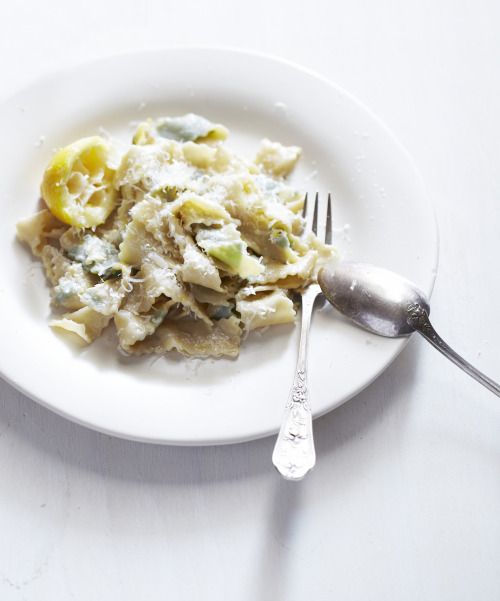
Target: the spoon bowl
(374, 298)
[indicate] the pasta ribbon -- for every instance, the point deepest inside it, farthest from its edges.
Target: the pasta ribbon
(176, 239)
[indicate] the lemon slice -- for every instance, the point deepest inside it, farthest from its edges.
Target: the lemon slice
(77, 185)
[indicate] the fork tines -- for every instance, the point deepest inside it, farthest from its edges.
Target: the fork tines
(312, 224)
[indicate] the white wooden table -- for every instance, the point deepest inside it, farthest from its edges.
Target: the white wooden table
(403, 503)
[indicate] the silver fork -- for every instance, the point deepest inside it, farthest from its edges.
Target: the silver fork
(294, 454)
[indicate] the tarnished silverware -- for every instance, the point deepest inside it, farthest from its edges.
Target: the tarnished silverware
(385, 303)
(294, 453)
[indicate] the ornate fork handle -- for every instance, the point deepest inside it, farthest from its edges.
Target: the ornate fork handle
(419, 320)
(294, 454)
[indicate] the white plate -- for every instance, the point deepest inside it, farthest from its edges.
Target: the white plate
(383, 215)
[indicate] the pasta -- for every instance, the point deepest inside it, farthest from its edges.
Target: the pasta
(175, 238)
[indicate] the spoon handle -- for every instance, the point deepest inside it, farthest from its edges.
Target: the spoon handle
(418, 318)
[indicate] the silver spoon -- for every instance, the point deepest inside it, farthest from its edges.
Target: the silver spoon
(387, 304)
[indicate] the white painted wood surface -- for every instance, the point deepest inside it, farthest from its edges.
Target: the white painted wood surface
(403, 503)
